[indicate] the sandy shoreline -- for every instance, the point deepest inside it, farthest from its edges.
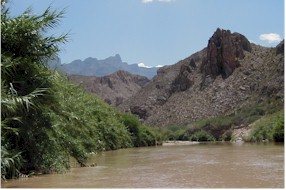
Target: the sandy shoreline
(171, 143)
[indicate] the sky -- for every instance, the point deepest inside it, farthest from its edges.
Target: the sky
(156, 32)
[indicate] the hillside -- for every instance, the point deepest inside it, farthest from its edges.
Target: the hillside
(95, 67)
(114, 88)
(229, 74)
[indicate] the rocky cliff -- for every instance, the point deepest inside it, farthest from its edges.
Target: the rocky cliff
(229, 74)
(114, 88)
(224, 51)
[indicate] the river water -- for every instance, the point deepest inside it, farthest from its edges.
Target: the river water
(209, 165)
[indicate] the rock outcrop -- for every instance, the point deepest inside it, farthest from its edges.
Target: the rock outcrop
(224, 51)
(114, 88)
(280, 48)
(233, 73)
(184, 80)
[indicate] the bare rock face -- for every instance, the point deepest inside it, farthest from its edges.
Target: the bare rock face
(114, 88)
(184, 80)
(280, 48)
(140, 111)
(223, 53)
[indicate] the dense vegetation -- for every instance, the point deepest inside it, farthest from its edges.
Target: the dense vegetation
(268, 125)
(44, 118)
(268, 128)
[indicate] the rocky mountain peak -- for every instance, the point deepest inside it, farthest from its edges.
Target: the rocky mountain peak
(226, 76)
(224, 51)
(114, 59)
(89, 60)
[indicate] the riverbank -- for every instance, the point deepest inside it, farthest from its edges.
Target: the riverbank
(172, 143)
(240, 133)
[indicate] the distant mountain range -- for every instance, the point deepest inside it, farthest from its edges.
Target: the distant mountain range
(95, 67)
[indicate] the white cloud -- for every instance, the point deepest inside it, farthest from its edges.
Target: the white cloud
(147, 1)
(163, 1)
(143, 65)
(270, 38)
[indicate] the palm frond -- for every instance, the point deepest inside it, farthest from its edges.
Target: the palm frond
(13, 102)
(11, 163)
(49, 19)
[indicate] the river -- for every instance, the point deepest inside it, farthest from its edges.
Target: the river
(205, 165)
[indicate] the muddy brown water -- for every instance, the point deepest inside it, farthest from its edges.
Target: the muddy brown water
(210, 165)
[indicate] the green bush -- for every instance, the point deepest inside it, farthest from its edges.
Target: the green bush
(10, 163)
(268, 128)
(202, 136)
(174, 132)
(219, 127)
(147, 137)
(278, 128)
(227, 135)
(261, 132)
(133, 126)
(249, 114)
(278, 133)
(140, 134)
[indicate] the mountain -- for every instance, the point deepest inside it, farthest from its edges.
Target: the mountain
(114, 88)
(94, 67)
(228, 75)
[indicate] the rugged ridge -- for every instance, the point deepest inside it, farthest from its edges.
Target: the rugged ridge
(114, 88)
(229, 74)
(95, 67)
(224, 51)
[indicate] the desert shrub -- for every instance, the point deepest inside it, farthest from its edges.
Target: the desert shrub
(216, 126)
(221, 126)
(182, 135)
(278, 129)
(202, 136)
(249, 114)
(133, 126)
(260, 133)
(141, 135)
(147, 136)
(269, 127)
(227, 135)
(174, 132)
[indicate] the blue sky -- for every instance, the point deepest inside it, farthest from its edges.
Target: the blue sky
(157, 32)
